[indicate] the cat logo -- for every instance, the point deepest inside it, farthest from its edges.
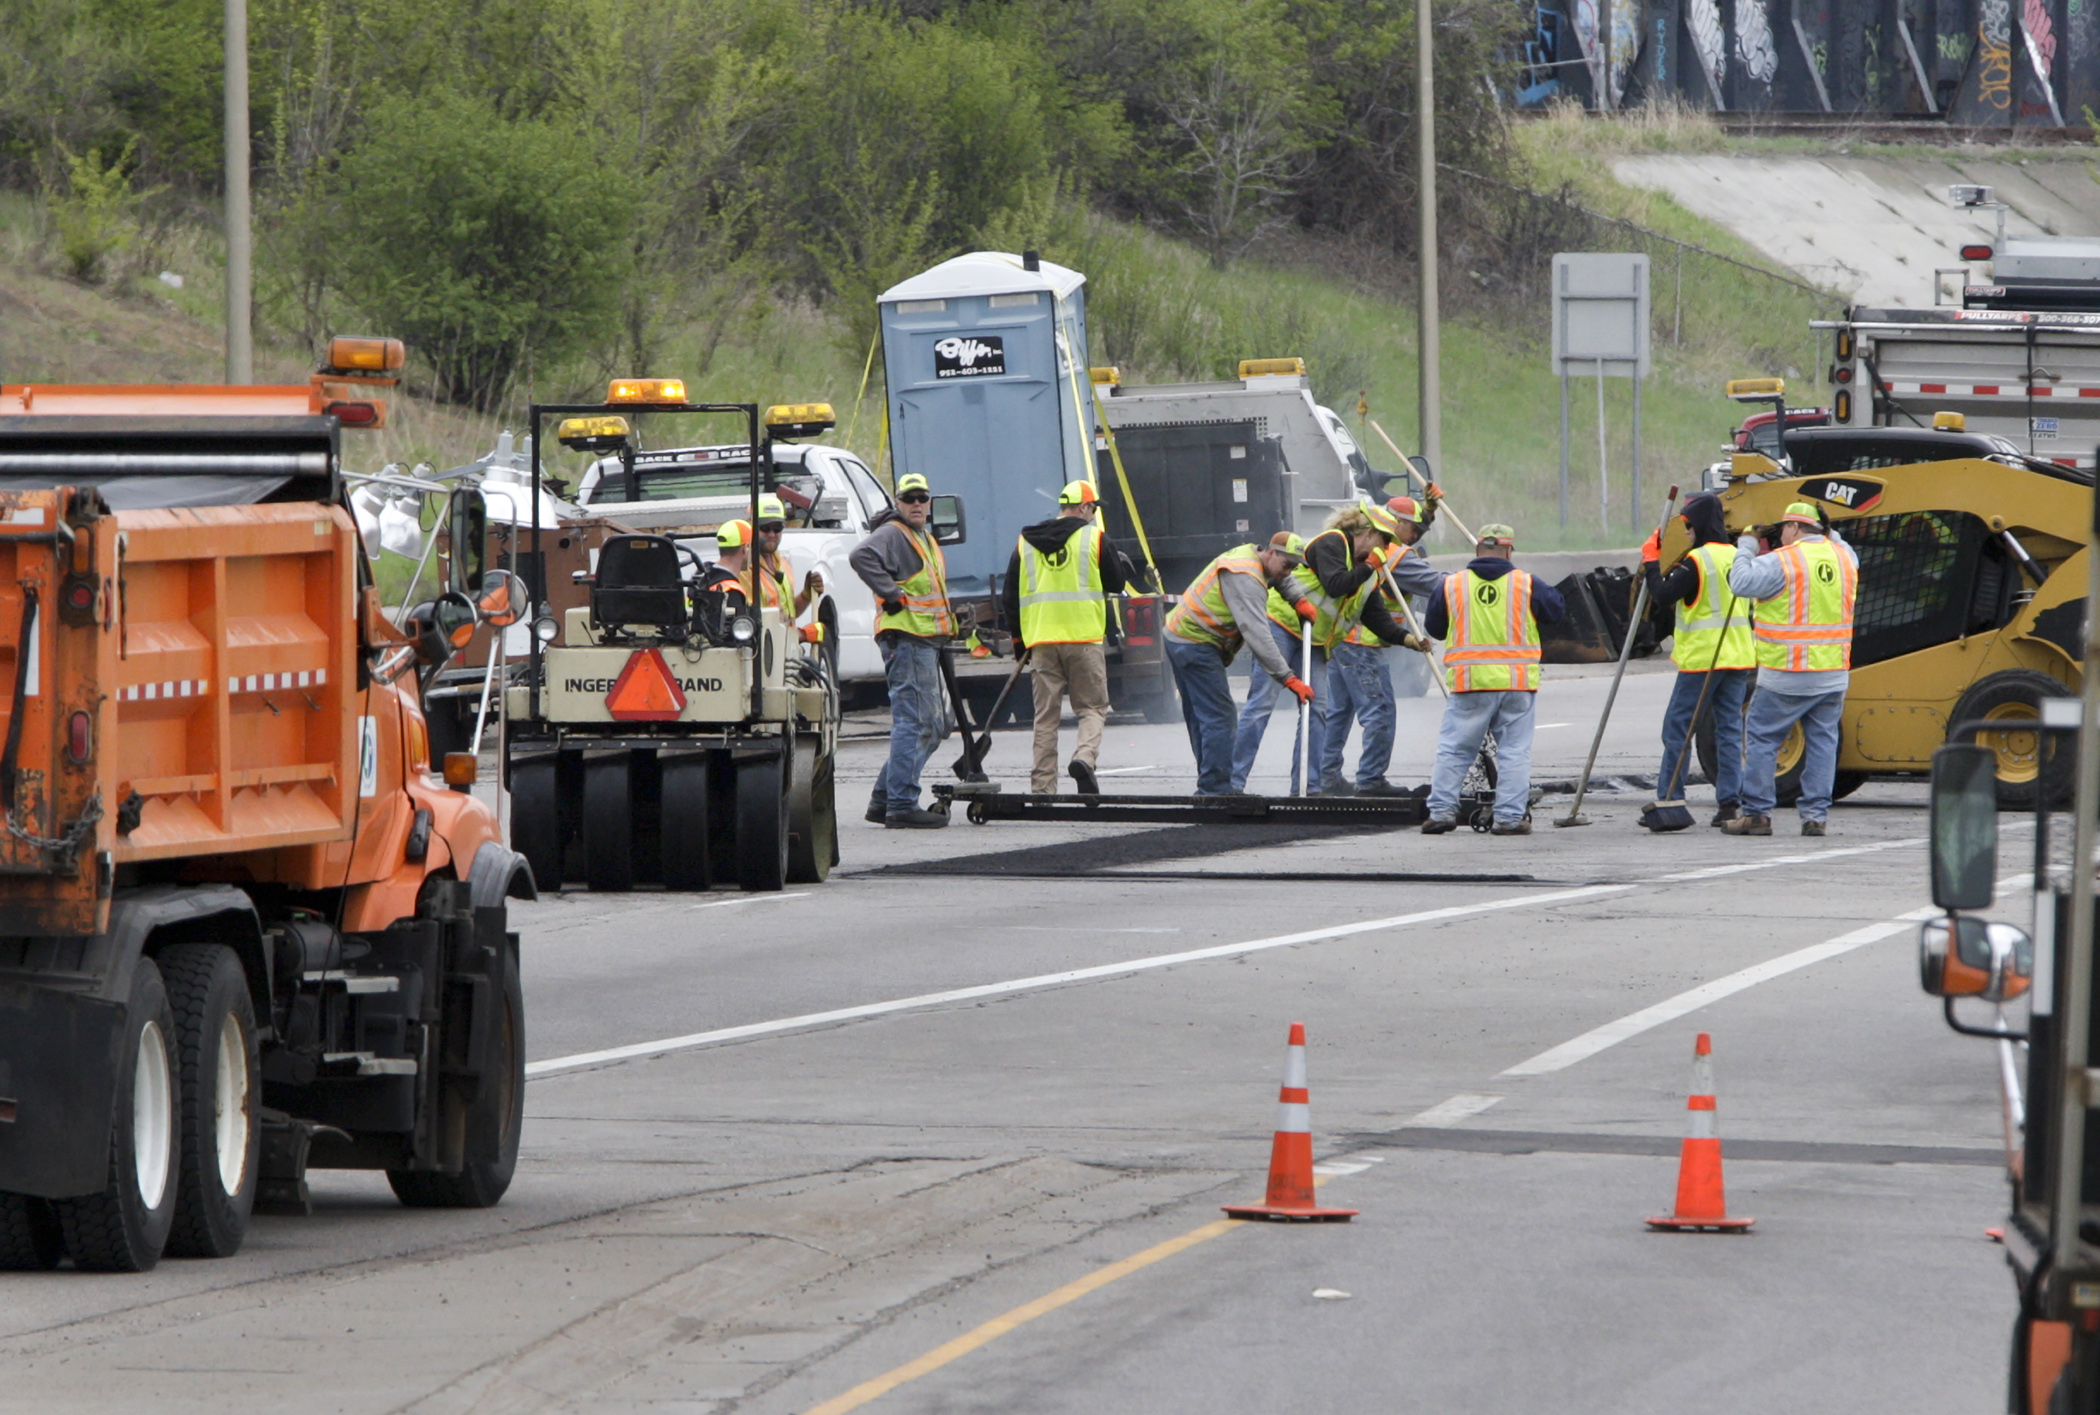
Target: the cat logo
(1488, 595)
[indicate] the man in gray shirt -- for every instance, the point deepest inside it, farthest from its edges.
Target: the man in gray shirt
(1803, 592)
(1205, 631)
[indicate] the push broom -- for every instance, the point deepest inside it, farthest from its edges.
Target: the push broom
(1672, 813)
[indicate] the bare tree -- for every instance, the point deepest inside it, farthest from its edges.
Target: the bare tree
(1243, 149)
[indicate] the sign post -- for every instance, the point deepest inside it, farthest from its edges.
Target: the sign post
(1600, 327)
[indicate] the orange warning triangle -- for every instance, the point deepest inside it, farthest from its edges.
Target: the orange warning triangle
(646, 691)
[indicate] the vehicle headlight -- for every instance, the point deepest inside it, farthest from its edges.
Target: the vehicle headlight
(743, 628)
(546, 628)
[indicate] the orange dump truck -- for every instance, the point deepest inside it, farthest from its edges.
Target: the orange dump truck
(244, 927)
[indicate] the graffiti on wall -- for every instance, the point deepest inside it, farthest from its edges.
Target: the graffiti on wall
(1994, 53)
(1753, 41)
(1703, 18)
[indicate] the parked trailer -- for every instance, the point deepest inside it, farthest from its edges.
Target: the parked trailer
(244, 928)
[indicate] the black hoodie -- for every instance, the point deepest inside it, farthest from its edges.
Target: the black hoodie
(1048, 536)
(1703, 517)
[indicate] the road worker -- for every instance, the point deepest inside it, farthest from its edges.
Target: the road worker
(901, 562)
(1488, 617)
(1359, 680)
(729, 573)
(1331, 591)
(1803, 592)
(1057, 585)
(776, 575)
(1203, 634)
(1711, 647)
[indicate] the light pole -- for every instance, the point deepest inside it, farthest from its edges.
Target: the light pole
(240, 339)
(1428, 353)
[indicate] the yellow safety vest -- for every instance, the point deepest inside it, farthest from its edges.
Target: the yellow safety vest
(1493, 644)
(925, 614)
(1807, 627)
(1700, 619)
(1201, 615)
(1358, 634)
(1062, 601)
(1332, 618)
(779, 587)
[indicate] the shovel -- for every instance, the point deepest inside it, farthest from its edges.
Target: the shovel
(1671, 813)
(1633, 626)
(970, 765)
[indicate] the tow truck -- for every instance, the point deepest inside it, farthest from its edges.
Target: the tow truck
(245, 927)
(664, 733)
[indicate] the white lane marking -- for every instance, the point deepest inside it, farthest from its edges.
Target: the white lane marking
(1335, 1169)
(1669, 1009)
(1068, 928)
(1543, 726)
(581, 1060)
(1121, 770)
(745, 899)
(1774, 861)
(1459, 1107)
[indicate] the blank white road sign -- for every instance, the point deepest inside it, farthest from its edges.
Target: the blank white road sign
(1600, 311)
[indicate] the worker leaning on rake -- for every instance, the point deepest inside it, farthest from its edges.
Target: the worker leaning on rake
(1335, 589)
(1712, 649)
(1359, 682)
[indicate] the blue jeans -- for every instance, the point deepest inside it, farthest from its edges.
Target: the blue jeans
(1724, 705)
(1262, 694)
(1358, 685)
(1771, 714)
(1207, 708)
(913, 666)
(1468, 717)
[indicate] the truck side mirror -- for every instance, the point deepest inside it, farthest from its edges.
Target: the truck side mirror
(949, 526)
(1421, 466)
(501, 599)
(1964, 826)
(1963, 956)
(469, 534)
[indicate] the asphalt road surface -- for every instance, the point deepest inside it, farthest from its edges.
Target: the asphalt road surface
(949, 1133)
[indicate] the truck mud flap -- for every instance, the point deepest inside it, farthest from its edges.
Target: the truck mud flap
(58, 1065)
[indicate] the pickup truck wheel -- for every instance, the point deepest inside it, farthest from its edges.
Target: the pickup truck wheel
(813, 819)
(536, 820)
(217, 1070)
(125, 1227)
(608, 826)
(684, 829)
(495, 1118)
(29, 1236)
(761, 825)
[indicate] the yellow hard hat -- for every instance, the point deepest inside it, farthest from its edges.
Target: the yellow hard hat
(733, 535)
(770, 508)
(1804, 513)
(913, 481)
(1078, 493)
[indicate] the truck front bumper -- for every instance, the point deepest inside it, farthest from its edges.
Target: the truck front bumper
(59, 1052)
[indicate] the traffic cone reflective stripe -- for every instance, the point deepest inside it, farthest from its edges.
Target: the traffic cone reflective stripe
(1290, 1153)
(1701, 1199)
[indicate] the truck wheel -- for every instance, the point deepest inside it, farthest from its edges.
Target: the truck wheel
(29, 1236)
(2025, 768)
(761, 825)
(218, 1067)
(684, 801)
(1164, 705)
(495, 1118)
(608, 826)
(535, 820)
(125, 1227)
(813, 819)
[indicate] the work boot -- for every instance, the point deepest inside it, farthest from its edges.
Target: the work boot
(1727, 813)
(1522, 827)
(915, 819)
(1381, 787)
(1813, 828)
(1080, 772)
(1336, 787)
(1749, 825)
(878, 810)
(1438, 825)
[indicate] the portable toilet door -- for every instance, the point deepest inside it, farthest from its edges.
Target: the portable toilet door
(985, 361)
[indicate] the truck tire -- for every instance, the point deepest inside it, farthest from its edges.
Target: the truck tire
(219, 1071)
(761, 825)
(1163, 706)
(29, 1236)
(2014, 697)
(125, 1227)
(536, 819)
(813, 819)
(608, 826)
(685, 805)
(495, 1117)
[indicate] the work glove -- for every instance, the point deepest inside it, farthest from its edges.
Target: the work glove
(1306, 611)
(1652, 548)
(813, 583)
(1415, 642)
(1379, 558)
(811, 633)
(1299, 686)
(893, 605)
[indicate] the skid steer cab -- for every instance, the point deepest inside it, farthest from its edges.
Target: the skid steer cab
(673, 729)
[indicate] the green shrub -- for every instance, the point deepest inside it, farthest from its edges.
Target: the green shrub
(96, 216)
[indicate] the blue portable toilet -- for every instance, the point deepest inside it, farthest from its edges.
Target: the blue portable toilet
(985, 359)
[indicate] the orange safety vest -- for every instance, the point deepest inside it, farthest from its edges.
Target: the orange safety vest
(1493, 646)
(1808, 629)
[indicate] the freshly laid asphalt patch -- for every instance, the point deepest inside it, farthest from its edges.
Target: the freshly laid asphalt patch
(1526, 1142)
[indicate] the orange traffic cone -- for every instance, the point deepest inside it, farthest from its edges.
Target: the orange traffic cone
(1290, 1156)
(1701, 1204)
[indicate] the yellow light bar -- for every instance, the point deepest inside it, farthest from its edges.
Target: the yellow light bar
(816, 416)
(599, 434)
(1267, 368)
(1109, 375)
(1949, 422)
(1755, 390)
(355, 354)
(646, 390)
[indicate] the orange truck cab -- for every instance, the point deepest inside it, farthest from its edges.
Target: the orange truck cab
(245, 927)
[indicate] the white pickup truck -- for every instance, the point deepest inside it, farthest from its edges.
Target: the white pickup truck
(831, 499)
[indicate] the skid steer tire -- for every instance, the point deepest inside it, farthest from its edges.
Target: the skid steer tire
(761, 825)
(1787, 770)
(2025, 766)
(495, 1117)
(221, 1085)
(813, 819)
(125, 1227)
(536, 820)
(608, 826)
(29, 1236)
(685, 809)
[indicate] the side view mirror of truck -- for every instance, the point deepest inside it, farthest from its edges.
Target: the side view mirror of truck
(501, 599)
(440, 629)
(1964, 826)
(468, 528)
(1963, 956)
(949, 526)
